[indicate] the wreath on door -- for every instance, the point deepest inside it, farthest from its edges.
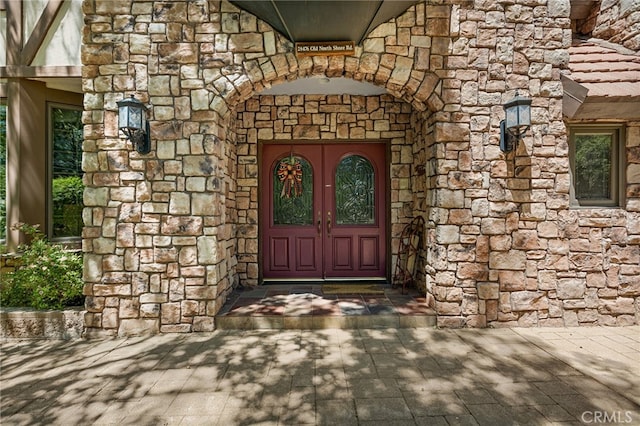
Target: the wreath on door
(290, 174)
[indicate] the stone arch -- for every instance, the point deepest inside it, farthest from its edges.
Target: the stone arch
(406, 65)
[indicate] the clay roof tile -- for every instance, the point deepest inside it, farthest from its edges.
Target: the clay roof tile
(605, 69)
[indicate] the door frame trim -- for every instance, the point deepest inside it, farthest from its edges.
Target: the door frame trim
(387, 199)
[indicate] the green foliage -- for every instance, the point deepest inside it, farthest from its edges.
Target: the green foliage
(593, 166)
(67, 190)
(67, 184)
(47, 276)
(67, 206)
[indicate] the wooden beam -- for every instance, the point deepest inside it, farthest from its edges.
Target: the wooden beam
(23, 71)
(14, 31)
(40, 30)
(574, 95)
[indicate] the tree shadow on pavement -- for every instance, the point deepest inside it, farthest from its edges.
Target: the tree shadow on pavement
(298, 377)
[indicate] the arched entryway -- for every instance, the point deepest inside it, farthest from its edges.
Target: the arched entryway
(305, 236)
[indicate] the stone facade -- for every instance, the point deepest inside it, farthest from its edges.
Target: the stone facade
(619, 22)
(168, 234)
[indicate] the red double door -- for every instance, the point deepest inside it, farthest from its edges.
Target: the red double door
(324, 211)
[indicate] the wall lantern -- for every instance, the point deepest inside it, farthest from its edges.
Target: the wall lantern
(516, 123)
(132, 120)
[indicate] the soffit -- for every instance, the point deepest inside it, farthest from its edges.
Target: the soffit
(319, 20)
(580, 9)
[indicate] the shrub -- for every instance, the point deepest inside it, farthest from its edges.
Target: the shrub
(67, 190)
(46, 277)
(67, 206)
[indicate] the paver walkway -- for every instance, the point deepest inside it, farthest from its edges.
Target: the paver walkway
(341, 377)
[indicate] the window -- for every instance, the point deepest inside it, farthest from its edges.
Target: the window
(597, 169)
(66, 171)
(3, 171)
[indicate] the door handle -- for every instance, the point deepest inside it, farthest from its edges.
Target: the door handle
(319, 223)
(328, 223)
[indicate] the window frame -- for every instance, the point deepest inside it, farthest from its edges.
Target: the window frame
(50, 106)
(618, 164)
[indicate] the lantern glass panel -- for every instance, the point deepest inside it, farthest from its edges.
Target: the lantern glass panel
(511, 117)
(135, 118)
(524, 115)
(123, 117)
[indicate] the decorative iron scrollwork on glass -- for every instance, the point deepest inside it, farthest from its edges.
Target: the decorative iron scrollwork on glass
(355, 191)
(293, 192)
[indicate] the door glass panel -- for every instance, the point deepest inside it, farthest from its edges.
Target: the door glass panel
(354, 191)
(292, 192)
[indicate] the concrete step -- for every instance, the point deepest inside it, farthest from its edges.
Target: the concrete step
(280, 322)
(303, 306)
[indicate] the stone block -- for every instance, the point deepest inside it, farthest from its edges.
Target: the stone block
(448, 308)
(125, 235)
(528, 301)
(129, 308)
(596, 279)
(138, 327)
(170, 313)
(512, 280)
(246, 42)
(178, 53)
(153, 298)
(493, 226)
(473, 271)
(97, 54)
(150, 310)
(201, 292)
(176, 328)
(476, 321)
(547, 280)
(488, 290)
(201, 203)
(112, 290)
(190, 308)
(514, 260)
(452, 199)
(571, 288)
(203, 324)
(527, 240)
(620, 305)
(207, 250)
(450, 321)
(110, 318)
(181, 225)
(574, 304)
(630, 289)
(452, 132)
(447, 234)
